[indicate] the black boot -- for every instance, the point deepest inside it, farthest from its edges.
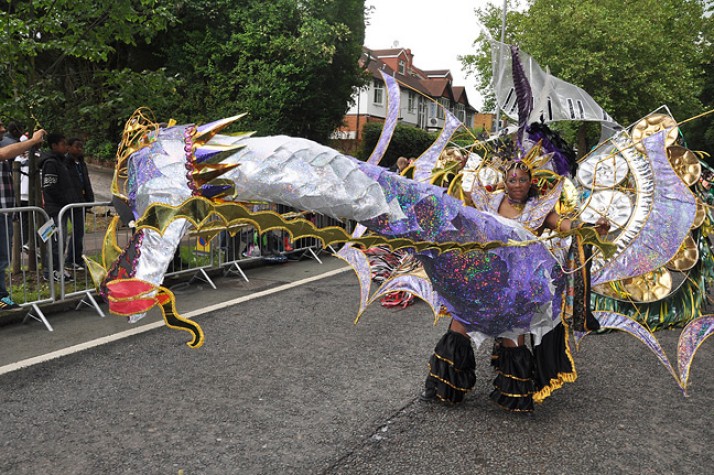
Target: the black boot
(451, 369)
(514, 383)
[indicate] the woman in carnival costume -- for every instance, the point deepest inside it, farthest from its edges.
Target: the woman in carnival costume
(522, 376)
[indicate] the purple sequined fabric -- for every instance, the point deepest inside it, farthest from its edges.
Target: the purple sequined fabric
(691, 338)
(490, 292)
(141, 170)
(390, 122)
(427, 161)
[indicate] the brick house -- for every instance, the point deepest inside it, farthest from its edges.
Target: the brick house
(370, 102)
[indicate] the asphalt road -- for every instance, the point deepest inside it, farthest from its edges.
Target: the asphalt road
(287, 384)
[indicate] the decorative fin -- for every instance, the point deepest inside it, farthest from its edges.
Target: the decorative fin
(96, 271)
(167, 303)
(427, 161)
(110, 247)
(206, 132)
(210, 190)
(418, 286)
(691, 338)
(618, 321)
(390, 121)
(211, 154)
(360, 264)
(204, 174)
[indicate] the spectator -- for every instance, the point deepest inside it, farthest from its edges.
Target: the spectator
(57, 191)
(80, 178)
(17, 132)
(9, 149)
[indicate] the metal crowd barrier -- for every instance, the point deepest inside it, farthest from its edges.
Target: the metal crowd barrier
(26, 281)
(80, 230)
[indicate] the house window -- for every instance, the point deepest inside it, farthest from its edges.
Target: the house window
(378, 92)
(411, 103)
(402, 66)
(445, 105)
(460, 112)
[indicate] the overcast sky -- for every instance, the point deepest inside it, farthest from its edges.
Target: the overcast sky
(436, 31)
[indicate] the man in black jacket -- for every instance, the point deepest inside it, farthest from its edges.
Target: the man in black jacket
(57, 192)
(80, 179)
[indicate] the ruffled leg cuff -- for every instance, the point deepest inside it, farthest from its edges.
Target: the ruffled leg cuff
(554, 364)
(452, 368)
(513, 386)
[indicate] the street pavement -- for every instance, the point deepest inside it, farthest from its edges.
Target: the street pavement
(286, 383)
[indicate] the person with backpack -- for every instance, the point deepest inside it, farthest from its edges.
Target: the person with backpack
(58, 191)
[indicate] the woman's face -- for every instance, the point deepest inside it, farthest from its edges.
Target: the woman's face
(518, 184)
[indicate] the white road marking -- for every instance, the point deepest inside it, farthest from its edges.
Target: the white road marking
(151, 326)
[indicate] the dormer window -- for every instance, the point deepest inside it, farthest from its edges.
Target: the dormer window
(402, 66)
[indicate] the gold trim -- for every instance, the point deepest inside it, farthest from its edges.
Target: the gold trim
(446, 360)
(526, 395)
(516, 378)
(463, 390)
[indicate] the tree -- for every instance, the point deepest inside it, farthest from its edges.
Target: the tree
(632, 57)
(292, 65)
(53, 51)
(700, 132)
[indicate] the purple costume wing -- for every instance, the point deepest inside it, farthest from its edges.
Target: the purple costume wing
(493, 291)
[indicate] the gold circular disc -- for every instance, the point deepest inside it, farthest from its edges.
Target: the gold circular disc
(652, 124)
(686, 256)
(685, 163)
(648, 287)
(568, 201)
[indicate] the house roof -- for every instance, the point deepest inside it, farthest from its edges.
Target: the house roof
(438, 73)
(435, 83)
(374, 65)
(391, 52)
(461, 97)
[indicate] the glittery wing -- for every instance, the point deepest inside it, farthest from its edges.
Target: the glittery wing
(661, 217)
(690, 340)
(360, 264)
(616, 321)
(419, 286)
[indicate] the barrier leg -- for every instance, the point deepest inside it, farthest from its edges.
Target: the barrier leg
(235, 269)
(201, 275)
(92, 303)
(39, 316)
(312, 254)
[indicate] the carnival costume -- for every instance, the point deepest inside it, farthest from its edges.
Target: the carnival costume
(493, 275)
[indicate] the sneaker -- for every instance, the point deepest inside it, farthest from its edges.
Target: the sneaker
(71, 266)
(428, 395)
(6, 303)
(56, 276)
(25, 248)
